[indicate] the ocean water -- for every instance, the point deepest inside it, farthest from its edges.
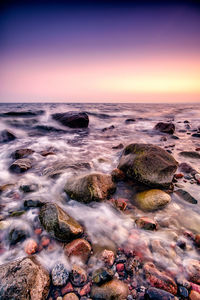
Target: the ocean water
(103, 224)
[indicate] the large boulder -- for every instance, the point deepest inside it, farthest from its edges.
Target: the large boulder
(152, 200)
(148, 164)
(6, 136)
(72, 119)
(58, 223)
(24, 279)
(91, 187)
(111, 290)
(165, 127)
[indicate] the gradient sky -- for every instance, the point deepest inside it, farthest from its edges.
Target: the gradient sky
(100, 51)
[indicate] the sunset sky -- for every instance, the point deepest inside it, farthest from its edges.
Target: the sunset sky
(112, 51)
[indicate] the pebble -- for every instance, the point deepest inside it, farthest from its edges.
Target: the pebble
(67, 288)
(108, 257)
(102, 275)
(182, 291)
(194, 295)
(78, 276)
(59, 275)
(70, 296)
(31, 247)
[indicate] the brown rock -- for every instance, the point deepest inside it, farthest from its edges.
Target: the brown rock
(193, 270)
(194, 295)
(31, 247)
(117, 175)
(146, 223)
(78, 276)
(111, 290)
(70, 296)
(22, 153)
(80, 248)
(21, 165)
(24, 279)
(108, 257)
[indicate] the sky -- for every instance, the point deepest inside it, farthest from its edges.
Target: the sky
(99, 51)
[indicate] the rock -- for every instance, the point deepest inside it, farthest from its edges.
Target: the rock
(111, 290)
(72, 119)
(58, 223)
(92, 187)
(120, 203)
(197, 135)
(70, 296)
(67, 288)
(183, 292)
(159, 279)
(6, 136)
(59, 275)
(186, 168)
(120, 146)
(108, 128)
(79, 248)
(22, 113)
(85, 290)
(146, 223)
(117, 175)
(21, 165)
(158, 294)
(102, 275)
(195, 287)
(148, 164)
(194, 295)
(78, 276)
(17, 235)
(129, 121)
(197, 240)
(165, 127)
(193, 270)
(190, 154)
(33, 203)
(29, 188)
(186, 196)
(197, 177)
(24, 279)
(31, 247)
(46, 153)
(22, 153)
(108, 257)
(152, 200)
(132, 265)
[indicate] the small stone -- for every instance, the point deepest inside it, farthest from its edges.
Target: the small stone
(178, 176)
(31, 247)
(146, 223)
(186, 168)
(108, 257)
(194, 295)
(186, 196)
(190, 154)
(80, 248)
(21, 165)
(59, 275)
(133, 264)
(183, 292)
(46, 153)
(102, 275)
(78, 276)
(197, 240)
(120, 267)
(85, 290)
(197, 177)
(70, 296)
(6, 136)
(45, 241)
(32, 203)
(158, 294)
(120, 146)
(152, 199)
(22, 153)
(117, 175)
(29, 188)
(129, 121)
(193, 270)
(67, 289)
(17, 235)
(195, 287)
(111, 290)
(120, 203)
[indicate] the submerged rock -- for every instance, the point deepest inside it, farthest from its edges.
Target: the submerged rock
(92, 187)
(21, 153)
(159, 279)
(190, 154)
(112, 290)
(24, 279)
(21, 165)
(165, 127)
(148, 164)
(186, 168)
(29, 188)
(17, 235)
(186, 196)
(59, 275)
(146, 223)
(72, 119)
(78, 276)
(28, 113)
(193, 270)
(158, 294)
(58, 223)
(79, 248)
(152, 200)
(6, 136)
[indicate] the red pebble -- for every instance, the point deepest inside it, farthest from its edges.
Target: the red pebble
(178, 176)
(31, 247)
(67, 288)
(120, 267)
(45, 241)
(85, 290)
(38, 231)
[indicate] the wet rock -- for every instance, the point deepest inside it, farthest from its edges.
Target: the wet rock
(79, 248)
(47, 153)
(148, 164)
(21, 165)
(146, 223)
(72, 119)
(108, 257)
(129, 121)
(186, 196)
(159, 279)
(59, 275)
(112, 290)
(194, 295)
(197, 240)
(67, 288)
(33, 203)
(85, 290)
(120, 203)
(158, 294)
(71, 296)
(197, 135)
(193, 270)
(22, 153)
(186, 168)
(195, 287)
(29, 188)
(190, 154)
(6, 136)
(24, 279)
(78, 276)
(108, 128)
(165, 127)
(31, 247)
(17, 235)
(132, 265)
(183, 292)
(175, 137)
(102, 275)
(22, 113)
(120, 146)
(152, 200)
(6, 187)
(92, 187)
(117, 175)
(58, 223)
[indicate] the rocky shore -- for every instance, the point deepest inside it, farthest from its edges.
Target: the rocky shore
(113, 234)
